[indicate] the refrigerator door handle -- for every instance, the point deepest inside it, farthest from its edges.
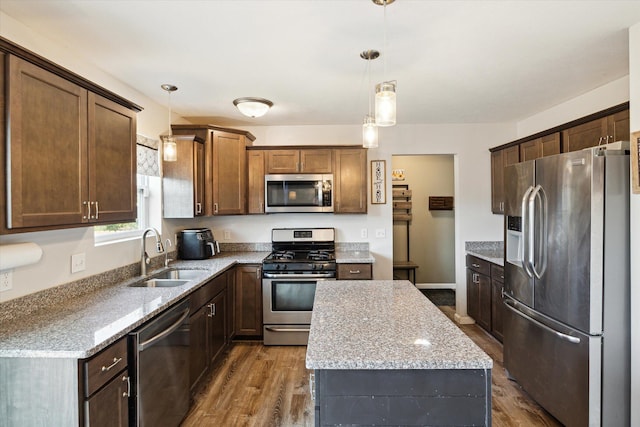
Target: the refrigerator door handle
(511, 306)
(537, 254)
(526, 232)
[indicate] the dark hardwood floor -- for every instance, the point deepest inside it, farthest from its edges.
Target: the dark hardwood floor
(269, 386)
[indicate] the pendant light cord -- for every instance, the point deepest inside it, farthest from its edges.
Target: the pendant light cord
(384, 42)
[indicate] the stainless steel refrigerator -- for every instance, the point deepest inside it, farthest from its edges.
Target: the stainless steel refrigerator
(567, 284)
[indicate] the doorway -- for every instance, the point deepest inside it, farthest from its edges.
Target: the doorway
(425, 235)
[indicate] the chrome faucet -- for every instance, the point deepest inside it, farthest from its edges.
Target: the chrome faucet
(144, 257)
(167, 245)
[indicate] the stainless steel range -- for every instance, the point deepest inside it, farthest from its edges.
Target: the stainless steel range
(301, 258)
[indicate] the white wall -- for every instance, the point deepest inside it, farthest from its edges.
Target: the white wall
(634, 96)
(468, 143)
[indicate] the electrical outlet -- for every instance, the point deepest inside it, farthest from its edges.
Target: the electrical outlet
(5, 280)
(227, 235)
(78, 262)
(363, 233)
(380, 233)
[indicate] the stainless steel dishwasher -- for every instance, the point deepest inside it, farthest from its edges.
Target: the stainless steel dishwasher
(160, 359)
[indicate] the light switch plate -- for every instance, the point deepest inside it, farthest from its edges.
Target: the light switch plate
(6, 280)
(78, 262)
(227, 235)
(380, 233)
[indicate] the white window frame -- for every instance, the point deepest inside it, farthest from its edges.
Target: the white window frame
(143, 193)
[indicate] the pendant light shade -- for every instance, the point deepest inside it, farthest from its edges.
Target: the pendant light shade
(253, 107)
(386, 103)
(369, 133)
(169, 147)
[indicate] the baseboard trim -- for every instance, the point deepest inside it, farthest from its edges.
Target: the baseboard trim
(451, 286)
(464, 320)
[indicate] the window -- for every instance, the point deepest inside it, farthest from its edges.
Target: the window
(148, 200)
(128, 230)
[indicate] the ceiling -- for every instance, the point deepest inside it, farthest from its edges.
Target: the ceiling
(454, 61)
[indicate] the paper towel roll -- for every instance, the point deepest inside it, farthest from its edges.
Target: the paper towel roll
(19, 254)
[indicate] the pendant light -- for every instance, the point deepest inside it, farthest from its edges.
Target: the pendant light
(385, 91)
(369, 127)
(169, 147)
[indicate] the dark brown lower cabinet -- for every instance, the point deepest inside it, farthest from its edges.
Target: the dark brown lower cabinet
(497, 308)
(110, 405)
(248, 303)
(484, 294)
(207, 328)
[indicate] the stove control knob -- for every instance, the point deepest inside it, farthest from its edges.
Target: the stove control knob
(277, 266)
(284, 266)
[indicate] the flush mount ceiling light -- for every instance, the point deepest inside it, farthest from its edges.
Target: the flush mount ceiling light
(385, 91)
(169, 147)
(369, 127)
(253, 107)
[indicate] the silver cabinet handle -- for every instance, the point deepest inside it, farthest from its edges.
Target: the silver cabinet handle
(475, 278)
(312, 385)
(215, 208)
(88, 204)
(354, 271)
(128, 392)
(475, 265)
(510, 306)
(198, 208)
(97, 210)
(258, 273)
(212, 309)
(115, 362)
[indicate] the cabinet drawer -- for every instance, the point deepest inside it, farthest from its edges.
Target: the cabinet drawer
(497, 273)
(479, 265)
(104, 366)
(355, 271)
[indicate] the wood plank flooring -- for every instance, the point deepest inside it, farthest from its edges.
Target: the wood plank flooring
(256, 385)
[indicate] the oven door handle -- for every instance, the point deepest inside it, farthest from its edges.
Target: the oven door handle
(299, 276)
(272, 329)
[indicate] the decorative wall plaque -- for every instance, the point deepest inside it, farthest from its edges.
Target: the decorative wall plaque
(378, 182)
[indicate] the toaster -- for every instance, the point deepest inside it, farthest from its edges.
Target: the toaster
(196, 243)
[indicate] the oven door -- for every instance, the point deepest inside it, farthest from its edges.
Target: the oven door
(287, 305)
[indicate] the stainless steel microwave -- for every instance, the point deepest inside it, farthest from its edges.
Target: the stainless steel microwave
(298, 193)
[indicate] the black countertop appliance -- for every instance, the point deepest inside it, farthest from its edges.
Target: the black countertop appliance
(196, 243)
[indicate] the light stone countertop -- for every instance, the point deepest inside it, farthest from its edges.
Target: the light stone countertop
(488, 251)
(81, 326)
(385, 324)
(354, 257)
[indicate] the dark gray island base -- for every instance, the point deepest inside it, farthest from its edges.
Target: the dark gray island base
(384, 355)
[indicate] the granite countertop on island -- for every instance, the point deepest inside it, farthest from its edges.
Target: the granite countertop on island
(385, 324)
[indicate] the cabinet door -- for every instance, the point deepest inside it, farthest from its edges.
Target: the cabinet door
(47, 148)
(283, 161)
(540, 147)
(350, 181)
(110, 405)
(585, 135)
(473, 295)
(198, 174)
(255, 203)
(229, 173)
(500, 159)
(217, 325)
(198, 352)
(248, 301)
(619, 126)
(550, 144)
(316, 161)
(231, 307)
(112, 161)
(496, 309)
(484, 295)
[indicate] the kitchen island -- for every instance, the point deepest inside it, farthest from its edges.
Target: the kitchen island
(383, 354)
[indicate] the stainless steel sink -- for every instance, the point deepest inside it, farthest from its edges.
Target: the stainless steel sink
(159, 283)
(178, 273)
(168, 278)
